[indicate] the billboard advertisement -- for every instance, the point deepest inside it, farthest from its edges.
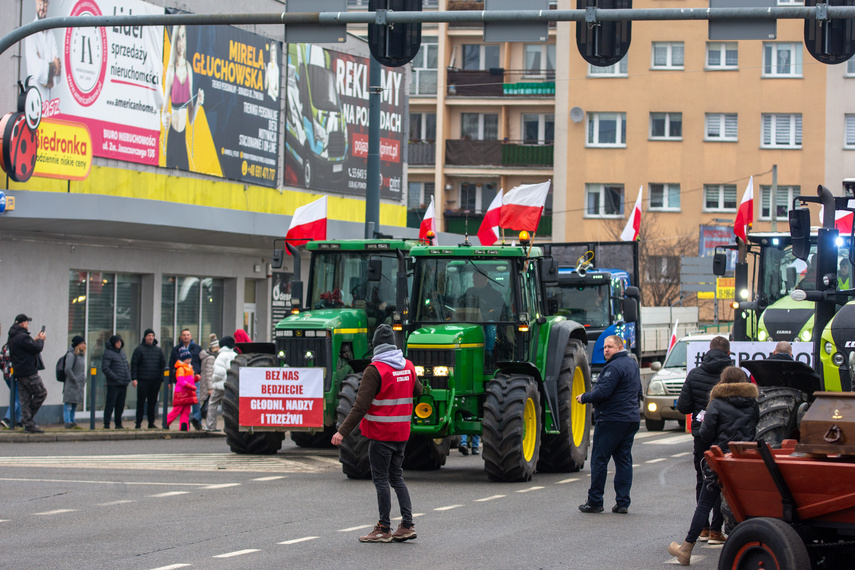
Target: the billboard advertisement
(326, 122)
(711, 236)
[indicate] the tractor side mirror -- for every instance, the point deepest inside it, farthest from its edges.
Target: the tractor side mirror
(375, 270)
(296, 294)
(549, 272)
(633, 292)
(719, 264)
(630, 309)
(800, 232)
(278, 256)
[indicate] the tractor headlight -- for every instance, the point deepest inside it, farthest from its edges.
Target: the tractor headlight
(838, 359)
(310, 355)
(762, 335)
(656, 388)
(420, 370)
(829, 348)
(441, 370)
(806, 334)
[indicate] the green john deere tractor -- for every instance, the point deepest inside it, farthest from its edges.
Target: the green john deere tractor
(353, 287)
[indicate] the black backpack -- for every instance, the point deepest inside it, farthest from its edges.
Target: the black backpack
(60, 367)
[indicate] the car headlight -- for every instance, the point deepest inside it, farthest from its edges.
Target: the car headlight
(762, 335)
(420, 370)
(838, 359)
(829, 348)
(441, 370)
(656, 388)
(806, 334)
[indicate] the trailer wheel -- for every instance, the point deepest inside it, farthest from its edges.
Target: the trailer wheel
(764, 543)
(317, 440)
(426, 454)
(512, 427)
(778, 409)
(654, 425)
(255, 443)
(353, 450)
(567, 451)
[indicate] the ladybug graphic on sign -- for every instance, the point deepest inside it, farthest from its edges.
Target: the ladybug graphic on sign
(19, 132)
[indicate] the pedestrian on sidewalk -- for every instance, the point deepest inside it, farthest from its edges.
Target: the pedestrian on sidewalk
(117, 371)
(26, 356)
(732, 415)
(222, 364)
(186, 341)
(694, 398)
(615, 397)
(383, 409)
(147, 366)
(185, 390)
(6, 365)
(74, 386)
(207, 357)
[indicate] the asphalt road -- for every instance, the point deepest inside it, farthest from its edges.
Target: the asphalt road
(191, 503)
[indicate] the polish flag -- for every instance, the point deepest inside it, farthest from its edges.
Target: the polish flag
(745, 213)
(673, 340)
(309, 222)
(488, 233)
(522, 207)
(842, 220)
(428, 225)
(633, 224)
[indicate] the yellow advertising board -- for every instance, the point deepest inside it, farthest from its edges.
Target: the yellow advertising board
(65, 150)
(725, 287)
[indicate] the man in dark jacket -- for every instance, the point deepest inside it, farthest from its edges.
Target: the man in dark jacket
(25, 353)
(147, 366)
(186, 341)
(114, 364)
(615, 397)
(693, 399)
(783, 351)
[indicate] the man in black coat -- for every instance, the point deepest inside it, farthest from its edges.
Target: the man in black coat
(693, 399)
(114, 365)
(186, 341)
(25, 353)
(783, 351)
(147, 366)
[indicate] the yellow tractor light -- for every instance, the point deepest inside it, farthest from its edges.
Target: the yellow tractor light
(295, 311)
(522, 328)
(441, 370)
(734, 305)
(525, 239)
(424, 410)
(420, 370)
(397, 327)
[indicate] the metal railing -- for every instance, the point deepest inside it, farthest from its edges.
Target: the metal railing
(498, 82)
(466, 152)
(421, 153)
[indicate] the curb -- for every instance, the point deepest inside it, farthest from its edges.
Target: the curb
(19, 436)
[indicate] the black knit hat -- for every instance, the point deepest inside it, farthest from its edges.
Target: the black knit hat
(228, 341)
(384, 335)
(77, 340)
(146, 333)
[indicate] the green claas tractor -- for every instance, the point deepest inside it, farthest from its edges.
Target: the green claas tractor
(353, 287)
(493, 363)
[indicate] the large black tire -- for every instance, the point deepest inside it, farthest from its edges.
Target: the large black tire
(512, 428)
(255, 443)
(317, 440)
(425, 454)
(764, 543)
(778, 410)
(654, 425)
(353, 450)
(567, 451)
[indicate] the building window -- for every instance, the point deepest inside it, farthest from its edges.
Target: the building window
(721, 127)
(422, 127)
(783, 200)
(424, 67)
(538, 129)
(607, 129)
(791, 2)
(194, 303)
(664, 197)
(479, 126)
(782, 130)
(849, 132)
(476, 197)
(604, 200)
(667, 55)
(850, 67)
(618, 69)
(782, 59)
(666, 126)
(540, 60)
(419, 194)
(481, 57)
(722, 55)
(719, 197)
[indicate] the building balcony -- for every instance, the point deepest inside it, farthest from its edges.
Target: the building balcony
(498, 82)
(497, 153)
(363, 4)
(467, 221)
(421, 153)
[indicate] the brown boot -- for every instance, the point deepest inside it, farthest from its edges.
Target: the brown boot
(682, 552)
(403, 533)
(716, 537)
(379, 534)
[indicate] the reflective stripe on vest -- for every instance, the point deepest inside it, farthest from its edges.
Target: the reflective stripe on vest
(391, 410)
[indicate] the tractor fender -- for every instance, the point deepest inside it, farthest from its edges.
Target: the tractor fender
(559, 335)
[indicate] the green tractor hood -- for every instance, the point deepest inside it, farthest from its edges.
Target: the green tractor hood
(447, 336)
(335, 319)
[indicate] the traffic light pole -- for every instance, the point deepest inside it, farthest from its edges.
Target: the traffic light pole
(372, 190)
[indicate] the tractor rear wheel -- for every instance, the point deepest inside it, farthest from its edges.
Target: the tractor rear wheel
(778, 410)
(255, 443)
(764, 543)
(512, 427)
(426, 454)
(317, 440)
(353, 450)
(567, 451)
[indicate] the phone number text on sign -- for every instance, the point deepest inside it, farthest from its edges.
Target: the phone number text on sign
(281, 397)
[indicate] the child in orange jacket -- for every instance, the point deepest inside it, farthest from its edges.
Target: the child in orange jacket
(185, 390)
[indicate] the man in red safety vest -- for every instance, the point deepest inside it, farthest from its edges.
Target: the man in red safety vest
(384, 404)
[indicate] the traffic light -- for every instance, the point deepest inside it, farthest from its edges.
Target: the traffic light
(830, 41)
(395, 46)
(604, 43)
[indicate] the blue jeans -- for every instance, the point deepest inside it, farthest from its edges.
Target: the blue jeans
(476, 441)
(386, 458)
(612, 440)
(17, 403)
(68, 411)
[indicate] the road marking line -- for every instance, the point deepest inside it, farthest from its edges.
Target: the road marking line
(4, 520)
(56, 512)
(237, 553)
(111, 503)
(567, 481)
(657, 460)
(414, 516)
(296, 540)
(485, 499)
(353, 528)
(170, 494)
(634, 465)
(221, 486)
(329, 460)
(172, 567)
(448, 508)
(646, 434)
(157, 483)
(683, 454)
(274, 478)
(682, 438)
(535, 488)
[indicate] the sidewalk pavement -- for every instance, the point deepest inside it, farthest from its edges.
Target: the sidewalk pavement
(59, 433)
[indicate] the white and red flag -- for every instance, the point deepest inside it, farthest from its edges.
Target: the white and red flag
(428, 225)
(522, 207)
(633, 224)
(488, 233)
(842, 220)
(309, 222)
(745, 213)
(673, 340)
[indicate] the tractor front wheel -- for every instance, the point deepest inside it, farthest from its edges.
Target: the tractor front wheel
(426, 454)
(512, 428)
(256, 443)
(318, 440)
(764, 543)
(353, 450)
(778, 411)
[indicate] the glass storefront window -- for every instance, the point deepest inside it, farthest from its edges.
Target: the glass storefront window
(166, 339)
(100, 308)
(212, 309)
(187, 306)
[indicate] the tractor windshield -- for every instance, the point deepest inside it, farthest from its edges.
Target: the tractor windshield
(464, 290)
(340, 279)
(586, 304)
(785, 272)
